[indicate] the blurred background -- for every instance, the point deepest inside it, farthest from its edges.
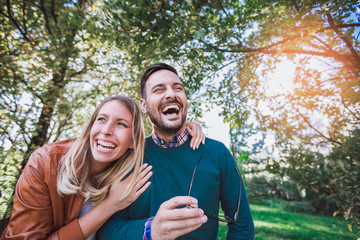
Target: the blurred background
(276, 81)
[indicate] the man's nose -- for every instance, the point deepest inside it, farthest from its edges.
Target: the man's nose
(170, 93)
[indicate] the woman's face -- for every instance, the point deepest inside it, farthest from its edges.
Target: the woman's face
(111, 135)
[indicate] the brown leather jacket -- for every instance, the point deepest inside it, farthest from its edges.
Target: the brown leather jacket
(39, 211)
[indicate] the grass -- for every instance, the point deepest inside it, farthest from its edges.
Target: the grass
(273, 223)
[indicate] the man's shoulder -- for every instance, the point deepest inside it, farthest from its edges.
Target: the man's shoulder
(149, 141)
(215, 148)
(148, 138)
(212, 143)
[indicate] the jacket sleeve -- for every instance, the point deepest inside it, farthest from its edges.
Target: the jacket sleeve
(32, 216)
(243, 228)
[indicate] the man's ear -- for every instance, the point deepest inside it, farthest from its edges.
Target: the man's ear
(143, 106)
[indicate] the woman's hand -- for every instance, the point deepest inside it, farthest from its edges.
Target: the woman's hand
(96, 217)
(195, 131)
(141, 184)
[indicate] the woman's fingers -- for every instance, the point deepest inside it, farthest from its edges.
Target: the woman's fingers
(142, 189)
(142, 178)
(144, 170)
(195, 131)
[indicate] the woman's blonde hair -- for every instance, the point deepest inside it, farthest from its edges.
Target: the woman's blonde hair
(74, 167)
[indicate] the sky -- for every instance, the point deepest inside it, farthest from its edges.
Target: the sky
(280, 80)
(215, 127)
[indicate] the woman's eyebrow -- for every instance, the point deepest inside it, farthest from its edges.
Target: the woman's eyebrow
(117, 119)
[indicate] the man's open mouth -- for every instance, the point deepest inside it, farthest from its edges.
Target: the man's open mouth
(170, 109)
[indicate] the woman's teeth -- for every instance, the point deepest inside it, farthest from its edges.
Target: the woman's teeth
(105, 144)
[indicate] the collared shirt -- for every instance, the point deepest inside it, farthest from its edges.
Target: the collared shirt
(176, 141)
(147, 231)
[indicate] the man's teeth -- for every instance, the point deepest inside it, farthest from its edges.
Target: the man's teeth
(106, 144)
(171, 107)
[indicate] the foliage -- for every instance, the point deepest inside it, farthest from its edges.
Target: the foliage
(330, 182)
(58, 58)
(231, 48)
(259, 187)
(246, 39)
(311, 173)
(9, 169)
(344, 162)
(53, 71)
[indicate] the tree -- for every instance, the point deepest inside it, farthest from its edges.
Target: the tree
(330, 182)
(58, 56)
(55, 64)
(344, 163)
(247, 39)
(231, 48)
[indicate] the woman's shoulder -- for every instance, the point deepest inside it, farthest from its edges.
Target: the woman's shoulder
(48, 156)
(57, 147)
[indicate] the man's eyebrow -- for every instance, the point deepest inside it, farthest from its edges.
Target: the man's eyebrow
(179, 83)
(157, 85)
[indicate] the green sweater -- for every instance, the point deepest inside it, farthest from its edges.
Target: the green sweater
(215, 180)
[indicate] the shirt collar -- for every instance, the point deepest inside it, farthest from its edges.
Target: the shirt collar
(176, 141)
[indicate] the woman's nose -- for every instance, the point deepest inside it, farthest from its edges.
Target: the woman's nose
(107, 129)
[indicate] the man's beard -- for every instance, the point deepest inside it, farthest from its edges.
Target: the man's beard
(158, 123)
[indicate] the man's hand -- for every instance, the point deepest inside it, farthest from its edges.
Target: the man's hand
(171, 222)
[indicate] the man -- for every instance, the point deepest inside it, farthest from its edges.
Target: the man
(182, 201)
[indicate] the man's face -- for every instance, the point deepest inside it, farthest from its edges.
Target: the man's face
(165, 102)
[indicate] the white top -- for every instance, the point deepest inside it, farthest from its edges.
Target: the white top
(86, 207)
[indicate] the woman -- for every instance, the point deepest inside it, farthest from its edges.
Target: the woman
(68, 189)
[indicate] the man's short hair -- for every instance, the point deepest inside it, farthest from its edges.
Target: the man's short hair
(154, 68)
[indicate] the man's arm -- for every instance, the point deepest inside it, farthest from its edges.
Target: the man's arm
(169, 222)
(243, 228)
(120, 227)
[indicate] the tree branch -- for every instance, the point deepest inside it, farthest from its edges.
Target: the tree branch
(223, 8)
(53, 14)
(312, 127)
(296, 6)
(346, 41)
(13, 20)
(248, 80)
(43, 10)
(328, 47)
(24, 14)
(29, 88)
(347, 108)
(249, 50)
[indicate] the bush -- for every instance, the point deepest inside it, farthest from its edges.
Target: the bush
(344, 162)
(260, 187)
(298, 206)
(257, 187)
(331, 183)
